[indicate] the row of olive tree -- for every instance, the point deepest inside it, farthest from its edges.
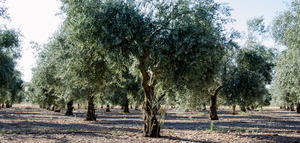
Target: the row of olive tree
(286, 31)
(175, 49)
(10, 78)
(105, 47)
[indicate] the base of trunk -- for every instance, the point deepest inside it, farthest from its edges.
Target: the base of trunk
(213, 108)
(69, 109)
(57, 110)
(298, 108)
(151, 126)
(233, 109)
(292, 107)
(90, 115)
(7, 105)
(126, 108)
(243, 109)
(107, 108)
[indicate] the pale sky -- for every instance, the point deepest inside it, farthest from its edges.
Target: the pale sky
(37, 21)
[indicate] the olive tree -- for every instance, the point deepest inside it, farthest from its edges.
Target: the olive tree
(175, 43)
(286, 31)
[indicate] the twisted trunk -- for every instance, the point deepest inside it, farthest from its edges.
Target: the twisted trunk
(90, 115)
(213, 104)
(151, 124)
(69, 108)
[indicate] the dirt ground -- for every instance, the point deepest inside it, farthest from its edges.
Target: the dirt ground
(28, 123)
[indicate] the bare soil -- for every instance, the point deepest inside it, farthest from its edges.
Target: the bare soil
(27, 123)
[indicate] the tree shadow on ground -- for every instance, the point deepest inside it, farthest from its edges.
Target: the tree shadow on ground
(184, 140)
(273, 138)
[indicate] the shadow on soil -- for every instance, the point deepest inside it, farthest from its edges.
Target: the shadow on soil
(118, 121)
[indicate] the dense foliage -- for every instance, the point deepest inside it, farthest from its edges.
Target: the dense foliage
(286, 31)
(10, 78)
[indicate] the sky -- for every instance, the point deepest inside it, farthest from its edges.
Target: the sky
(37, 20)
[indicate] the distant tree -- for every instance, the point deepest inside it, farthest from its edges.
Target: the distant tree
(245, 82)
(10, 78)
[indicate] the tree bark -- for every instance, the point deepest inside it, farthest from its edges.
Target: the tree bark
(90, 115)
(213, 108)
(126, 108)
(233, 109)
(213, 104)
(298, 108)
(292, 107)
(69, 108)
(107, 108)
(151, 124)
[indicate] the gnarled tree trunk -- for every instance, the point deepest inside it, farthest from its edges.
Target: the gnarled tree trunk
(126, 108)
(90, 115)
(69, 108)
(213, 104)
(151, 124)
